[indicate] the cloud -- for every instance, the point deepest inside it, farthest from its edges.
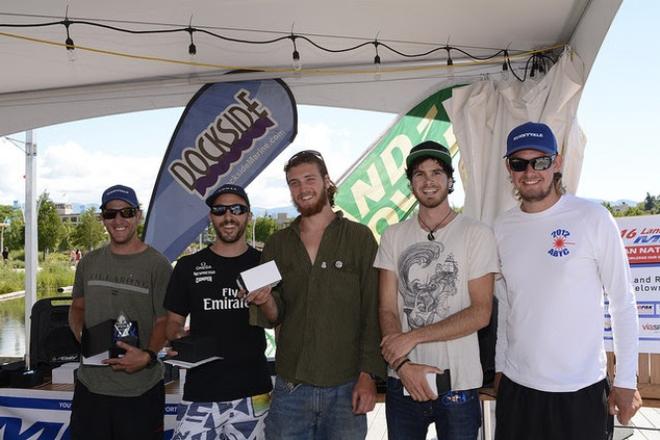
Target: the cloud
(76, 173)
(12, 173)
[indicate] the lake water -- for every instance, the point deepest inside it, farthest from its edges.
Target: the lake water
(12, 336)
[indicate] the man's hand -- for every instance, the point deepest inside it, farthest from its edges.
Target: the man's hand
(396, 345)
(413, 377)
(364, 394)
(257, 297)
(133, 360)
(624, 403)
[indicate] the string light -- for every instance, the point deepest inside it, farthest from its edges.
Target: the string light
(297, 65)
(192, 49)
(538, 60)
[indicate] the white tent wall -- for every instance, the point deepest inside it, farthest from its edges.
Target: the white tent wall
(484, 112)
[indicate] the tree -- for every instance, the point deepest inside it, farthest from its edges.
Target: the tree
(649, 202)
(49, 224)
(90, 231)
(264, 228)
(66, 238)
(15, 234)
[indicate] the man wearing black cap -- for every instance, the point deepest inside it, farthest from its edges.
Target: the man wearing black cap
(326, 306)
(125, 282)
(559, 254)
(227, 398)
(436, 286)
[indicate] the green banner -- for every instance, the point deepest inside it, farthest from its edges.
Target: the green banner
(375, 192)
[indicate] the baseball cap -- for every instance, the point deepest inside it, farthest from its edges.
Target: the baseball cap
(227, 189)
(531, 136)
(120, 192)
(430, 149)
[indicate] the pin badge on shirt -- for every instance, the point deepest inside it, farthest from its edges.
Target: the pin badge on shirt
(339, 264)
(323, 265)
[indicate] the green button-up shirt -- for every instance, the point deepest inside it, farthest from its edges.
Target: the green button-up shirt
(327, 311)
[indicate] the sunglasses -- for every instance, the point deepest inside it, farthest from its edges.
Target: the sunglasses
(538, 164)
(235, 209)
(304, 154)
(109, 214)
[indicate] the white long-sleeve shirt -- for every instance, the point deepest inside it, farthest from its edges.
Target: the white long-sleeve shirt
(556, 265)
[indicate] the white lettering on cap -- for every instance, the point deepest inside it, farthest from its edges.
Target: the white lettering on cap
(529, 134)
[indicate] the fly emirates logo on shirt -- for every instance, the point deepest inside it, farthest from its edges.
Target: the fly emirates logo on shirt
(229, 301)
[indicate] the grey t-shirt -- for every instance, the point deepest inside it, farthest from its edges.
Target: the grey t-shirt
(135, 285)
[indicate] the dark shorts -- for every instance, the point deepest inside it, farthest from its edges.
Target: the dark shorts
(525, 413)
(101, 417)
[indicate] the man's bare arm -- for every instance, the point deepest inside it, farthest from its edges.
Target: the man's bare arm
(77, 316)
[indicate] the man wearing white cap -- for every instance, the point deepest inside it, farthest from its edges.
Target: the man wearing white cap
(559, 255)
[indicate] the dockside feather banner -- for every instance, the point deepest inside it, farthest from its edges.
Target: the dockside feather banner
(228, 133)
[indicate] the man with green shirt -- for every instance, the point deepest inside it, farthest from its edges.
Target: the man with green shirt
(123, 398)
(327, 310)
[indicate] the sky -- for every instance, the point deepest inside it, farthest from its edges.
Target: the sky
(618, 110)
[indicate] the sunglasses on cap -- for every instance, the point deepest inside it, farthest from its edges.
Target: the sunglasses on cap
(538, 164)
(128, 212)
(305, 153)
(235, 209)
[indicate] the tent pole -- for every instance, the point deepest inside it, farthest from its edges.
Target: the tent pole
(31, 238)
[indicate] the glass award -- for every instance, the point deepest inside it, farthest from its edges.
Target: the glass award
(126, 331)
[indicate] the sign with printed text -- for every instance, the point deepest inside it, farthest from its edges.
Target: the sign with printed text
(641, 238)
(44, 415)
(228, 133)
(375, 192)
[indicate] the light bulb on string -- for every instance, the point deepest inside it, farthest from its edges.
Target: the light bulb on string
(68, 43)
(295, 56)
(192, 49)
(450, 64)
(378, 71)
(505, 66)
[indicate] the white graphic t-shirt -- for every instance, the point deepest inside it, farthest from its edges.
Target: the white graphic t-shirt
(433, 284)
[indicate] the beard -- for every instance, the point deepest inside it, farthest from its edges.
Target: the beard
(316, 207)
(230, 237)
(535, 194)
(432, 203)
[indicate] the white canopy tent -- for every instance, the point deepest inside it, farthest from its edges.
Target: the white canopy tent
(111, 72)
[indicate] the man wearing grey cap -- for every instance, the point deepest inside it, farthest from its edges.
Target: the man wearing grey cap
(559, 256)
(436, 288)
(125, 281)
(227, 398)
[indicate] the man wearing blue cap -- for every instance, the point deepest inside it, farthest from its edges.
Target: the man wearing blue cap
(559, 255)
(125, 281)
(227, 398)
(436, 290)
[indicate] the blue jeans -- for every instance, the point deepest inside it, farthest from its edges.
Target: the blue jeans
(457, 414)
(306, 412)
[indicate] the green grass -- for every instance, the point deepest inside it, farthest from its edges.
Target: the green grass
(54, 273)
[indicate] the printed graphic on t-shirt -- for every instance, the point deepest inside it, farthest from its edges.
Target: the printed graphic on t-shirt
(427, 279)
(560, 243)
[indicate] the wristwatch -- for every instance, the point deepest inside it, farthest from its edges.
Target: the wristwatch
(153, 359)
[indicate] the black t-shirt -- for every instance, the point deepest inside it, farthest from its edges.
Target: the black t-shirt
(204, 286)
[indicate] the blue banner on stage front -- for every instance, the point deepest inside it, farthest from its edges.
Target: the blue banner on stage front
(228, 133)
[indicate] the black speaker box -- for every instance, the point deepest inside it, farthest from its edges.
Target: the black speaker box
(51, 341)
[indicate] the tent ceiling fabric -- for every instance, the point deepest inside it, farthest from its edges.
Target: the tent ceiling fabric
(42, 84)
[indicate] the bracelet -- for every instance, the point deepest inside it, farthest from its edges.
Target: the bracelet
(398, 367)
